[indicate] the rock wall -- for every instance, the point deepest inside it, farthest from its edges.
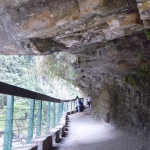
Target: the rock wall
(119, 103)
(108, 103)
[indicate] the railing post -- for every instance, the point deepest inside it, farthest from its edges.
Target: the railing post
(54, 114)
(58, 112)
(64, 107)
(61, 110)
(48, 117)
(67, 107)
(9, 123)
(31, 121)
(71, 105)
(39, 118)
(74, 104)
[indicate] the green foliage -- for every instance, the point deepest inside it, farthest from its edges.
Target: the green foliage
(141, 74)
(145, 67)
(147, 33)
(59, 72)
(84, 61)
(139, 77)
(140, 56)
(141, 81)
(14, 69)
(56, 66)
(124, 79)
(131, 80)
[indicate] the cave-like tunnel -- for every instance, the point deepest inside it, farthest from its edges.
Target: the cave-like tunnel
(110, 38)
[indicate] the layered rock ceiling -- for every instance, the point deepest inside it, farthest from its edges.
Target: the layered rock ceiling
(111, 39)
(111, 34)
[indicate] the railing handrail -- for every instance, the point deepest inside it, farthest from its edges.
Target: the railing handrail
(34, 126)
(71, 100)
(8, 89)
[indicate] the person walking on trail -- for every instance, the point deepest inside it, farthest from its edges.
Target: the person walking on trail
(78, 104)
(88, 101)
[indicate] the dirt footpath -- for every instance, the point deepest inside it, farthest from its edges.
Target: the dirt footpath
(86, 134)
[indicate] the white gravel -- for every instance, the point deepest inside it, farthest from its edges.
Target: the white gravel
(86, 134)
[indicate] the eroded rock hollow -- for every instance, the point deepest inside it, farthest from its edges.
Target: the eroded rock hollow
(111, 39)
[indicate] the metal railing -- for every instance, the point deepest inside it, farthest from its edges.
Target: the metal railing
(39, 114)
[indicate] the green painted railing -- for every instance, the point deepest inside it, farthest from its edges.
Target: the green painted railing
(37, 119)
(31, 122)
(9, 123)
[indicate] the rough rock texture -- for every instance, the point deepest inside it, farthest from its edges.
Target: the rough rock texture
(119, 105)
(111, 39)
(47, 26)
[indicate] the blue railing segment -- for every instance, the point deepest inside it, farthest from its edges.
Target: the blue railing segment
(41, 115)
(39, 119)
(31, 122)
(48, 117)
(9, 123)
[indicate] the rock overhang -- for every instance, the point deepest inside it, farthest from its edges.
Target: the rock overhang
(109, 36)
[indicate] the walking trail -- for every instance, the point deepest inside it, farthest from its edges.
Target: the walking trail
(86, 134)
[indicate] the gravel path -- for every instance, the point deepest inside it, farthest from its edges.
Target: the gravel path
(86, 134)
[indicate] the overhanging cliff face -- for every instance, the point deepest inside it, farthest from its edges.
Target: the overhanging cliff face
(111, 39)
(47, 26)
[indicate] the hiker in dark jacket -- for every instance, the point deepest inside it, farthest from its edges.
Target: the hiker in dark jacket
(80, 106)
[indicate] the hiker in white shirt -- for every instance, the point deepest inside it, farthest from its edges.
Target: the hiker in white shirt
(78, 104)
(88, 100)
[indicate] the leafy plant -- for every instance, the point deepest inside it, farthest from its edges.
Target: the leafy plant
(131, 80)
(145, 67)
(141, 74)
(140, 56)
(147, 33)
(84, 61)
(124, 79)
